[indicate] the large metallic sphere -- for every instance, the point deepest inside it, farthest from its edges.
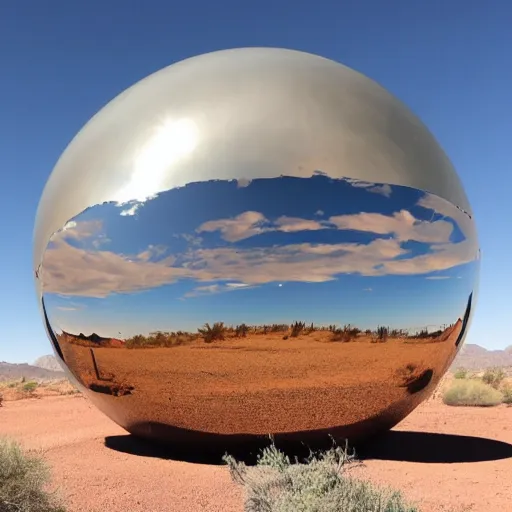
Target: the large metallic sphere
(251, 242)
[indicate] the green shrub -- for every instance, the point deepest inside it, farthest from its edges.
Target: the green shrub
(461, 373)
(494, 377)
(472, 392)
(30, 386)
(22, 481)
(317, 485)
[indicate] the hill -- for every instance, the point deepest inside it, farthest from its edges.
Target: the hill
(475, 357)
(10, 371)
(48, 363)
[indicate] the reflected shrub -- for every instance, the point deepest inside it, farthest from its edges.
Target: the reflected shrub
(345, 334)
(241, 331)
(297, 328)
(213, 333)
(158, 339)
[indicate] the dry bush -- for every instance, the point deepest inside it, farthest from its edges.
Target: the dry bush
(212, 333)
(472, 392)
(241, 331)
(320, 484)
(381, 335)
(159, 339)
(460, 373)
(23, 478)
(506, 391)
(345, 334)
(494, 377)
(297, 328)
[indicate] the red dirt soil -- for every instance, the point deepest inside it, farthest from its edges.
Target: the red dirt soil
(440, 473)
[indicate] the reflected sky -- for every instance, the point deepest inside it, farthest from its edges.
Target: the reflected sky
(267, 251)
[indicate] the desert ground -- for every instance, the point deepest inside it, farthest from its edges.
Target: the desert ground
(443, 458)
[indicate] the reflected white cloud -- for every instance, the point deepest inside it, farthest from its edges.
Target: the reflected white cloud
(130, 211)
(403, 225)
(245, 225)
(216, 269)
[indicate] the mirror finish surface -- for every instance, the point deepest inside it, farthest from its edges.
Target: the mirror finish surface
(288, 306)
(255, 241)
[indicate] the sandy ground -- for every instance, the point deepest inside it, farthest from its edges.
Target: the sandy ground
(444, 458)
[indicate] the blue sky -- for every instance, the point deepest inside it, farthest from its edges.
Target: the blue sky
(448, 61)
(322, 250)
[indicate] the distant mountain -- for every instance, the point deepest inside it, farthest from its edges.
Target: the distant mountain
(48, 363)
(475, 357)
(10, 371)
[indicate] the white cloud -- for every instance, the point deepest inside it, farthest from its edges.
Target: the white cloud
(130, 211)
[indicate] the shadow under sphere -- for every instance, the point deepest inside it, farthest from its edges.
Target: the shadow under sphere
(252, 242)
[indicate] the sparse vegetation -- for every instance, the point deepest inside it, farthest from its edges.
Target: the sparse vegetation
(29, 387)
(345, 334)
(297, 328)
(212, 333)
(460, 373)
(23, 478)
(494, 377)
(472, 392)
(241, 331)
(506, 390)
(381, 334)
(220, 331)
(19, 389)
(159, 339)
(319, 484)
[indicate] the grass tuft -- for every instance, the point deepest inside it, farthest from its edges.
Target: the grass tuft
(23, 478)
(320, 484)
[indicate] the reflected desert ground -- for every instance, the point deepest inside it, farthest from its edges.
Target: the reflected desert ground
(260, 383)
(178, 315)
